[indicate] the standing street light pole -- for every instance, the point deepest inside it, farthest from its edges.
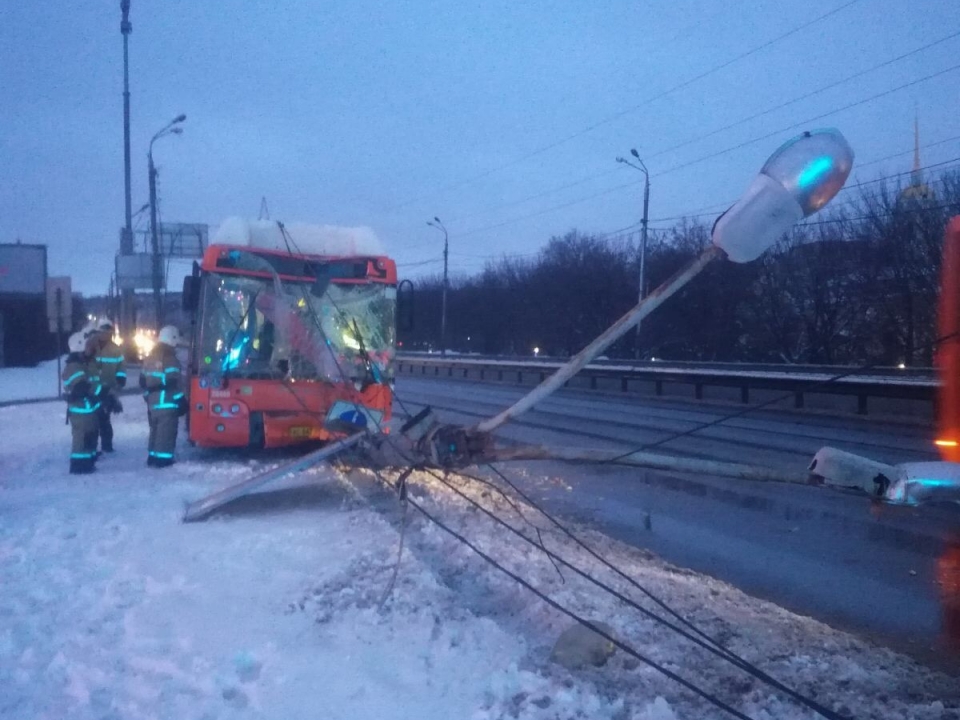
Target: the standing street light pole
(643, 236)
(126, 240)
(157, 267)
(435, 223)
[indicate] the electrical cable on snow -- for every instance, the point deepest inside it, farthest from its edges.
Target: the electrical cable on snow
(516, 508)
(402, 494)
(711, 646)
(581, 620)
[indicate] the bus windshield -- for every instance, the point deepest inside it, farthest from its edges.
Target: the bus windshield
(258, 328)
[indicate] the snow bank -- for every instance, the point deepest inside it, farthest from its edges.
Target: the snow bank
(41, 381)
(310, 239)
(112, 609)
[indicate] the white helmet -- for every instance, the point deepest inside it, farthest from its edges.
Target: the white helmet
(77, 342)
(105, 324)
(169, 335)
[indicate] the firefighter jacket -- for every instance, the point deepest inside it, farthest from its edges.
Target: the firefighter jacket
(161, 379)
(110, 363)
(80, 386)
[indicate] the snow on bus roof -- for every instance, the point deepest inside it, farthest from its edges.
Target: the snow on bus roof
(305, 238)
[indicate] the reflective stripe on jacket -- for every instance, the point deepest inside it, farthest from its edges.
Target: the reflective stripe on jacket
(161, 373)
(78, 387)
(110, 363)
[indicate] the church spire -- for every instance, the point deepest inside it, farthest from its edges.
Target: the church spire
(916, 190)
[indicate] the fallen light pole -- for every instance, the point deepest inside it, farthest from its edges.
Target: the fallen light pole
(202, 508)
(798, 180)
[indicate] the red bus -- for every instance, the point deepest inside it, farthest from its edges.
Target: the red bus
(287, 348)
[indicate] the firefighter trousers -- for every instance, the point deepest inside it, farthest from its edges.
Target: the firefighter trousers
(163, 437)
(83, 450)
(105, 426)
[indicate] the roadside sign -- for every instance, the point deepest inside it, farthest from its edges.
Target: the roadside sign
(135, 272)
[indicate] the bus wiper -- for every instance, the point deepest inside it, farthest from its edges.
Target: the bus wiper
(372, 370)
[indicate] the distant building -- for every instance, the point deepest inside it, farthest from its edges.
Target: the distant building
(25, 337)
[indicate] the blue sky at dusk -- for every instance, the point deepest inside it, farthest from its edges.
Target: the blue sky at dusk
(503, 118)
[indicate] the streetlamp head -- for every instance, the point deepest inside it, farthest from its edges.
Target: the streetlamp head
(179, 118)
(799, 179)
(176, 130)
(436, 219)
(621, 159)
(633, 151)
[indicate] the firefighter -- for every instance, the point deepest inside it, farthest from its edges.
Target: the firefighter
(82, 405)
(110, 368)
(161, 381)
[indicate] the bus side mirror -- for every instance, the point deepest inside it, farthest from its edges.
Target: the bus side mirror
(405, 306)
(191, 294)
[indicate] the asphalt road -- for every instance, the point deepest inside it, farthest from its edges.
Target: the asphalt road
(832, 555)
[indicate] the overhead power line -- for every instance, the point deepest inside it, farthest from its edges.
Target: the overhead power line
(716, 131)
(710, 156)
(794, 126)
(807, 96)
(719, 207)
(615, 116)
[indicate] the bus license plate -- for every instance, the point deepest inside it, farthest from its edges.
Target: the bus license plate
(301, 431)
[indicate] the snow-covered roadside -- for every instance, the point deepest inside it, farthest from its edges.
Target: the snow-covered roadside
(32, 382)
(111, 608)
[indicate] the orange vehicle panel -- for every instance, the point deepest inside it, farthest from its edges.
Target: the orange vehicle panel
(948, 349)
(270, 413)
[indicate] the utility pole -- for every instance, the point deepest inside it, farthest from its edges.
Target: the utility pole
(643, 233)
(126, 238)
(435, 223)
(171, 128)
(157, 263)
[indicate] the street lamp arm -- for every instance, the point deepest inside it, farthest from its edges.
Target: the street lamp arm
(641, 167)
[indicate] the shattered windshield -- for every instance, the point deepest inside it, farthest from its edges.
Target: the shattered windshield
(260, 328)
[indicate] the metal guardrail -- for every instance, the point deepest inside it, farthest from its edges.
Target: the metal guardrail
(889, 392)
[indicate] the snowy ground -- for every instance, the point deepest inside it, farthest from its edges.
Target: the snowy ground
(111, 608)
(40, 381)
